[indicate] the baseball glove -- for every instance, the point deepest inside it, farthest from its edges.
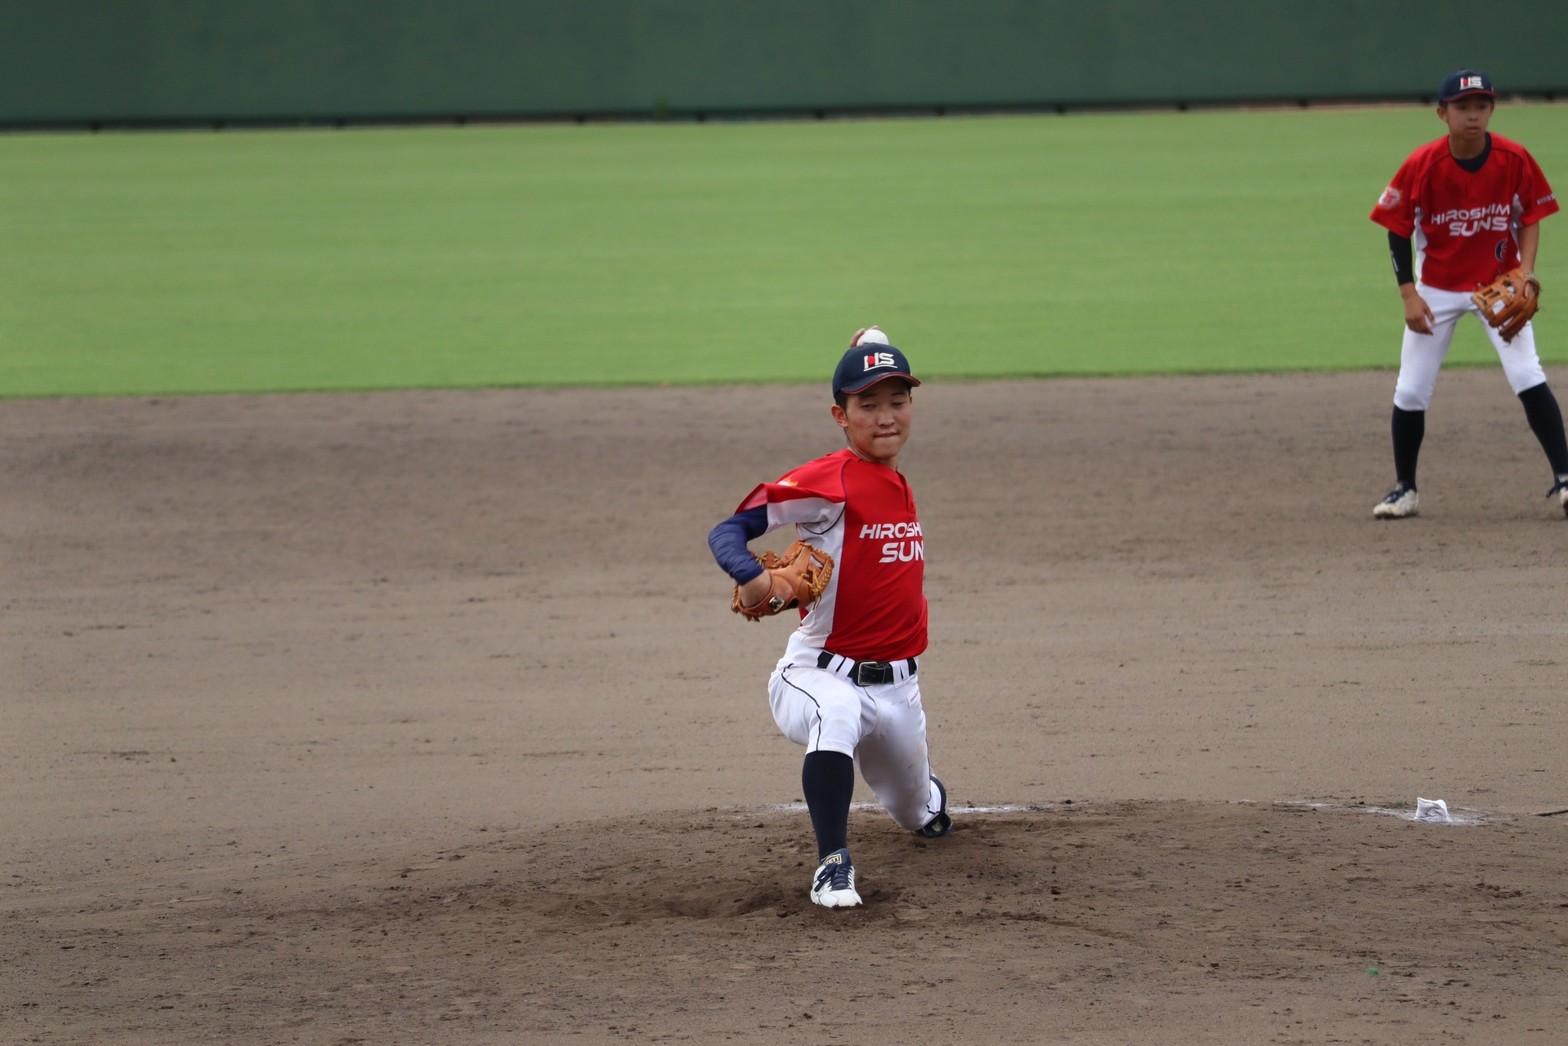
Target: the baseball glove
(1505, 304)
(798, 578)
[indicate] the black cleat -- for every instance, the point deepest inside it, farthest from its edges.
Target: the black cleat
(941, 824)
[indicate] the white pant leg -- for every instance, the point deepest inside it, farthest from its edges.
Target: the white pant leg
(1421, 355)
(882, 727)
(817, 709)
(1518, 357)
(893, 755)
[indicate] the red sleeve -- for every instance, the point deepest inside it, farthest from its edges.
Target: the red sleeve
(812, 493)
(1535, 195)
(1396, 208)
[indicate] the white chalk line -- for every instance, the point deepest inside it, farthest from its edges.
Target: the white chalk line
(1458, 817)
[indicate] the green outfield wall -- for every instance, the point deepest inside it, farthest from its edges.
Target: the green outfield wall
(83, 62)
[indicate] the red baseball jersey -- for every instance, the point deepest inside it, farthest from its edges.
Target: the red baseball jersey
(863, 515)
(1465, 224)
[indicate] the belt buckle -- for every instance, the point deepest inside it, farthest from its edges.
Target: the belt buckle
(880, 669)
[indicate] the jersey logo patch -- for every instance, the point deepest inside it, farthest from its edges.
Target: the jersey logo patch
(1390, 198)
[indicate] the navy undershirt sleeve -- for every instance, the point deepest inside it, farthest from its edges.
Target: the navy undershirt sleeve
(1402, 253)
(728, 540)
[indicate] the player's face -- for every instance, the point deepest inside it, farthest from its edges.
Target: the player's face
(1467, 119)
(877, 421)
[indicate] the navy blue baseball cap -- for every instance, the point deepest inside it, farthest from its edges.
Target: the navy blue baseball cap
(1463, 84)
(868, 363)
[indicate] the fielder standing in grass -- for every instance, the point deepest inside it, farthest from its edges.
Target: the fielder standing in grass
(1470, 202)
(848, 686)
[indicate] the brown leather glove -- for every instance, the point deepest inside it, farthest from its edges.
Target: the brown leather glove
(1508, 302)
(798, 578)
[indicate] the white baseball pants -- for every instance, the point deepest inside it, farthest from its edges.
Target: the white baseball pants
(882, 727)
(1421, 355)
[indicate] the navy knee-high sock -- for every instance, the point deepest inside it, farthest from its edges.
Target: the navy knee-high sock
(1409, 428)
(828, 781)
(1546, 421)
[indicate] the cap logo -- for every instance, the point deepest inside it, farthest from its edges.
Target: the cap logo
(873, 360)
(1467, 82)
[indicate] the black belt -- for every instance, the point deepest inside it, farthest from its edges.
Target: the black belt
(864, 673)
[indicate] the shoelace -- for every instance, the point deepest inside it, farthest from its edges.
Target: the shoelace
(837, 874)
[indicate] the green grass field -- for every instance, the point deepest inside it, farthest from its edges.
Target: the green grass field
(723, 252)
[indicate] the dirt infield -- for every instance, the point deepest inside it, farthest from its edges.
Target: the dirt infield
(421, 718)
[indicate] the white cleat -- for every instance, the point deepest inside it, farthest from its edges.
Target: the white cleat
(834, 884)
(1400, 503)
(1561, 490)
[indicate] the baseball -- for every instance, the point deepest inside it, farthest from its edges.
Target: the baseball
(870, 336)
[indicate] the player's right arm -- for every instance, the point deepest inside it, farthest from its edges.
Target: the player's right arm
(1418, 315)
(1396, 212)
